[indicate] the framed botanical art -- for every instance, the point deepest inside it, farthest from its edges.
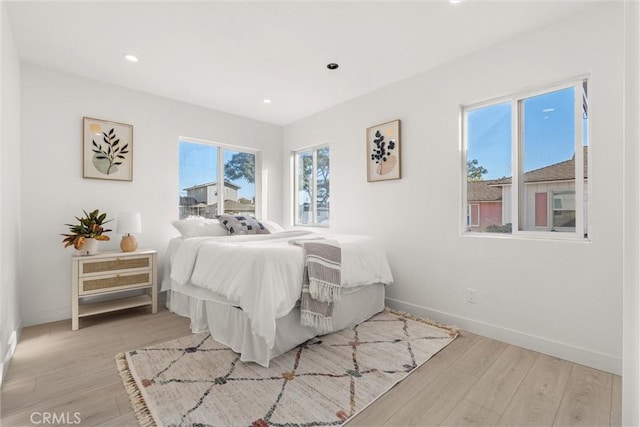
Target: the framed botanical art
(107, 149)
(383, 151)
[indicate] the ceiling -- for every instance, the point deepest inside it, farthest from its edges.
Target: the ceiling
(230, 56)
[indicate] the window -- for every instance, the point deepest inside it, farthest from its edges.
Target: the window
(311, 186)
(473, 214)
(202, 167)
(564, 210)
(541, 139)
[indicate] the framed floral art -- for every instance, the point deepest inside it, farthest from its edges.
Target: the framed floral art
(107, 150)
(383, 151)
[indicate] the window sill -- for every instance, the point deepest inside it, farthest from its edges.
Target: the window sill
(538, 236)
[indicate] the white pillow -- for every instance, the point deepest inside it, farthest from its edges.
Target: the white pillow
(272, 226)
(199, 227)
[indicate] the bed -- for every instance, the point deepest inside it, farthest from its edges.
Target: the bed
(245, 289)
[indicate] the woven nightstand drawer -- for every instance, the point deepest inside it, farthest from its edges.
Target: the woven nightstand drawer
(117, 264)
(114, 283)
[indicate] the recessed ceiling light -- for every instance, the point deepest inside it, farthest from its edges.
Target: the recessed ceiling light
(332, 66)
(131, 58)
(266, 101)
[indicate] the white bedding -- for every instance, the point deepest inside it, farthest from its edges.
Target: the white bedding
(262, 274)
(231, 327)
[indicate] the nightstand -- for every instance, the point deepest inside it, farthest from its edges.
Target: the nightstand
(111, 273)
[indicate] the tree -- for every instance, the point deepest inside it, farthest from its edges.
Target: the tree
(241, 165)
(475, 171)
(322, 188)
(323, 176)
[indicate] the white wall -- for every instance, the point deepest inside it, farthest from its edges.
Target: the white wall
(561, 298)
(631, 341)
(53, 190)
(9, 191)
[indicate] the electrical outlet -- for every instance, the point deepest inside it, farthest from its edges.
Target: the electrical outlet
(472, 296)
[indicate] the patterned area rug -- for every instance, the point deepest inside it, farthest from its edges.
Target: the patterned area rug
(197, 381)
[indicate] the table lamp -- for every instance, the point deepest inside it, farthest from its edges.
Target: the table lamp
(128, 224)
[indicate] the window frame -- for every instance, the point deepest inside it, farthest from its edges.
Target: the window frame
(259, 213)
(517, 161)
(314, 182)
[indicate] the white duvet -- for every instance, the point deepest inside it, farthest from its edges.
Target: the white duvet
(262, 273)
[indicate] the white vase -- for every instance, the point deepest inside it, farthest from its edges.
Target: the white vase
(90, 247)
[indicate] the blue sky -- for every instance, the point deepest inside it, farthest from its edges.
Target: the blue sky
(548, 133)
(199, 165)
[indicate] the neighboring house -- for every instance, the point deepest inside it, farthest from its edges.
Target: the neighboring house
(208, 193)
(549, 195)
(484, 205)
(202, 200)
(189, 206)
(235, 207)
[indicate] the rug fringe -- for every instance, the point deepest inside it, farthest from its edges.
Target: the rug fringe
(454, 331)
(133, 391)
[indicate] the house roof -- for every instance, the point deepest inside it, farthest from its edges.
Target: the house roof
(563, 171)
(208, 184)
(481, 191)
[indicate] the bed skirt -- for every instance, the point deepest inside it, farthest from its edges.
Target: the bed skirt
(230, 326)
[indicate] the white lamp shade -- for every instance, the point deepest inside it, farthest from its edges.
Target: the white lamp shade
(129, 223)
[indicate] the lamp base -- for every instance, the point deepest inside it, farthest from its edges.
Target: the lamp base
(128, 243)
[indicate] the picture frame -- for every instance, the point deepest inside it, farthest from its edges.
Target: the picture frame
(107, 150)
(383, 151)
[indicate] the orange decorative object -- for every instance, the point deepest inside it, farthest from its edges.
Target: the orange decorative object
(128, 243)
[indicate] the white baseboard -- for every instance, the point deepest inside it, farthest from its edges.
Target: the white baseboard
(11, 349)
(38, 318)
(582, 356)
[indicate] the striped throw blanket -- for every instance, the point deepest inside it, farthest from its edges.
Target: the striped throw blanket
(321, 284)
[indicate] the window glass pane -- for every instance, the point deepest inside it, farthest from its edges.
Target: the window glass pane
(549, 129)
(198, 171)
(304, 178)
(239, 183)
(322, 183)
(564, 201)
(488, 133)
(548, 157)
(564, 211)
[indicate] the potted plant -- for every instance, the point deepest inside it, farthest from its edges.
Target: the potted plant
(87, 232)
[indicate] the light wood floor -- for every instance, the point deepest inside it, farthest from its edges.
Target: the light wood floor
(472, 382)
